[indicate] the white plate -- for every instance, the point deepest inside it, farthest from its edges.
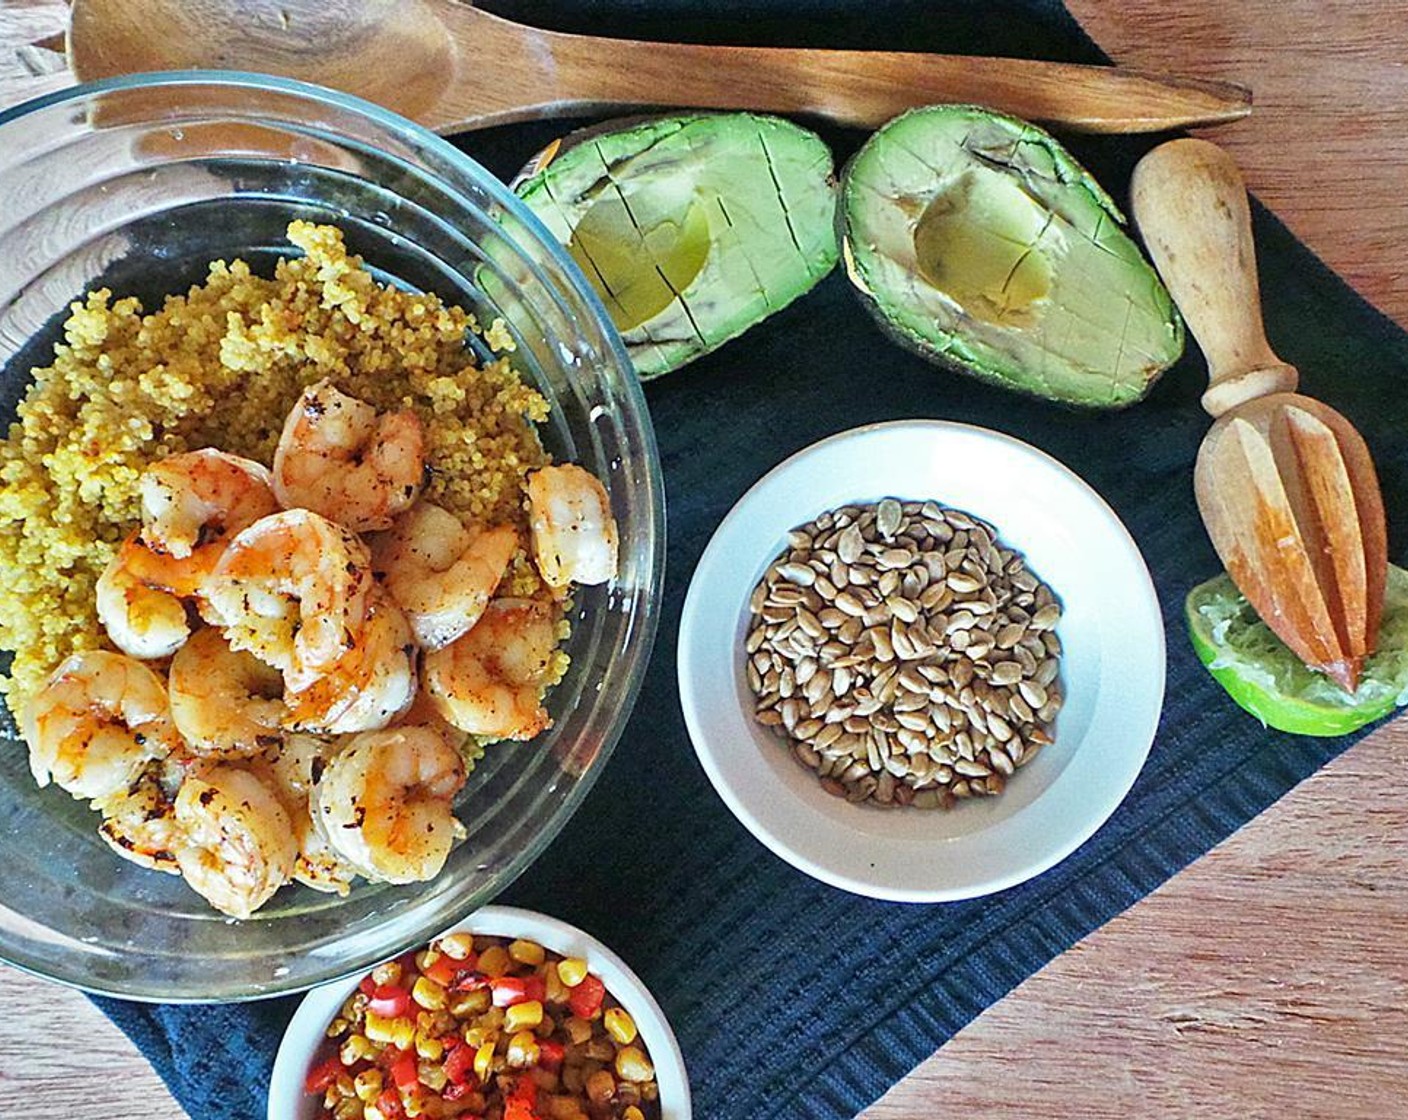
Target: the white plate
(304, 1040)
(1112, 667)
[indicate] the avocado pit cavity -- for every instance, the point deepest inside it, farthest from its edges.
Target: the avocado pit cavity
(982, 244)
(641, 250)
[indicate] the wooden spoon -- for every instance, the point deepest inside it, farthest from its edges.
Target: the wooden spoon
(1285, 484)
(452, 67)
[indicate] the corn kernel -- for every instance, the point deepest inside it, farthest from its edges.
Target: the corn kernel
(476, 1035)
(428, 993)
(412, 1104)
(373, 1113)
(425, 958)
(494, 961)
(572, 971)
(633, 1113)
(431, 1075)
(633, 1065)
(367, 1084)
(403, 1034)
(555, 991)
(527, 952)
(465, 1004)
(523, 1016)
(357, 1047)
(484, 1061)
(523, 1050)
(578, 1030)
(349, 1109)
(337, 1026)
(388, 973)
(620, 1025)
(344, 1085)
(429, 1047)
(600, 1085)
(378, 1027)
(456, 946)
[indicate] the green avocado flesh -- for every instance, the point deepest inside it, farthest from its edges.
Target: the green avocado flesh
(977, 240)
(1261, 673)
(691, 229)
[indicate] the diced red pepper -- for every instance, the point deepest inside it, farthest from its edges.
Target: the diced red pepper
(403, 1071)
(323, 1074)
(459, 1064)
(525, 1089)
(586, 998)
(471, 982)
(390, 1001)
(511, 990)
(521, 1100)
(446, 970)
(367, 986)
(389, 1102)
(550, 1054)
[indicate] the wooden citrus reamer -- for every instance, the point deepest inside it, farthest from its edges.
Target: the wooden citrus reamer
(1285, 484)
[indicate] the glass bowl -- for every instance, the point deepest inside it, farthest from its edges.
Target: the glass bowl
(137, 184)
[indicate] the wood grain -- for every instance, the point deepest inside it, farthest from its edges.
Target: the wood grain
(426, 59)
(1270, 978)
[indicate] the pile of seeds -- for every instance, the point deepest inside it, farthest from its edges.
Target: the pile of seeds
(906, 656)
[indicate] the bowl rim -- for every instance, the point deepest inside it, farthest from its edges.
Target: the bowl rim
(644, 629)
(695, 620)
(304, 1033)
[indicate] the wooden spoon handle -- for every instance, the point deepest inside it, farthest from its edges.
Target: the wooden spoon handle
(867, 88)
(1190, 205)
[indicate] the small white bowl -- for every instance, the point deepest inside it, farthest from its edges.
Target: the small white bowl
(305, 1036)
(1112, 666)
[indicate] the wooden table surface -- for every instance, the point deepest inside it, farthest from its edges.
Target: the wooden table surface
(1271, 977)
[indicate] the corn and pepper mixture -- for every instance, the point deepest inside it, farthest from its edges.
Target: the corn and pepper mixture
(480, 1028)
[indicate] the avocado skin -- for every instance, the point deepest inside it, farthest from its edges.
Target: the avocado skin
(953, 351)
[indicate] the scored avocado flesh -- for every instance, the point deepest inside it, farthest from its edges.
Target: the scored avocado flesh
(979, 241)
(691, 229)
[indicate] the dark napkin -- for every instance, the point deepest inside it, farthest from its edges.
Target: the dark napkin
(790, 998)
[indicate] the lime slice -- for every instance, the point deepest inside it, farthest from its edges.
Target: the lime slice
(1260, 672)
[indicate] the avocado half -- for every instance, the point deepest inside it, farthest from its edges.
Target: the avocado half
(690, 228)
(976, 240)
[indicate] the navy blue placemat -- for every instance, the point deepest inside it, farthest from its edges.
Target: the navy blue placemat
(790, 998)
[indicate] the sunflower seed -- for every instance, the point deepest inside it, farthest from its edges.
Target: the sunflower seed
(873, 654)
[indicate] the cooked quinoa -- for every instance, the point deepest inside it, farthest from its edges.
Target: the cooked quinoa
(221, 366)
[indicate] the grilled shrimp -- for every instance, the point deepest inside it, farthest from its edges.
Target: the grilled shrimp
(384, 803)
(339, 457)
(226, 702)
(574, 535)
(424, 713)
(441, 572)
(292, 589)
(97, 723)
(140, 619)
(139, 823)
(236, 844)
(194, 502)
(370, 684)
(295, 766)
(490, 681)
